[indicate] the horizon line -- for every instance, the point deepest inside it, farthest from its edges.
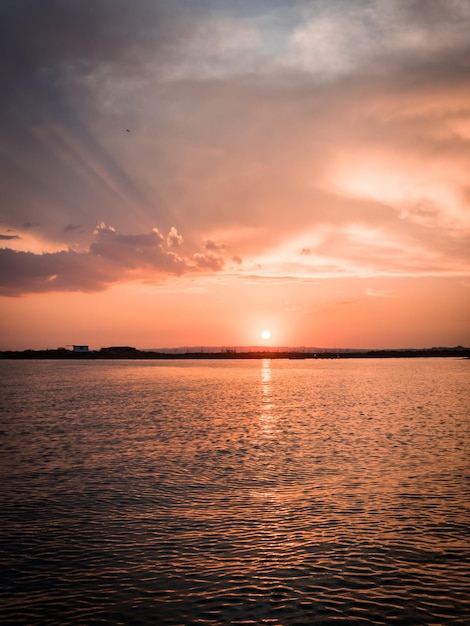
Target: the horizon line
(232, 349)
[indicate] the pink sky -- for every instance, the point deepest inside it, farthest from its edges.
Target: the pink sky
(301, 167)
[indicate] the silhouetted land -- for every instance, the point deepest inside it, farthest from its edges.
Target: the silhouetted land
(132, 353)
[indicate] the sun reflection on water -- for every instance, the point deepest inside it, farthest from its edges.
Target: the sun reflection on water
(266, 396)
(266, 433)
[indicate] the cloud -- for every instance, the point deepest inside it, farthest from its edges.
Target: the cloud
(174, 240)
(341, 38)
(111, 258)
(9, 237)
(254, 125)
(209, 244)
(214, 262)
(136, 251)
(26, 272)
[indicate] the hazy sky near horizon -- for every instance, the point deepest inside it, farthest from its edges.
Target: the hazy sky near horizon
(190, 172)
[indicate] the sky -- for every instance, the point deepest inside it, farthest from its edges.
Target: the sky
(193, 172)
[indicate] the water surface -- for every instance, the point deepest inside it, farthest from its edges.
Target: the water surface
(236, 492)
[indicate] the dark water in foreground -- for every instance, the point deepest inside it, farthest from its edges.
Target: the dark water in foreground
(257, 492)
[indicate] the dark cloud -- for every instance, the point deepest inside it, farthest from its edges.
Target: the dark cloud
(137, 251)
(111, 258)
(26, 272)
(75, 36)
(71, 228)
(209, 244)
(9, 237)
(434, 13)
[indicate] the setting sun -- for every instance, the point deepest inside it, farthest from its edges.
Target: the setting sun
(265, 334)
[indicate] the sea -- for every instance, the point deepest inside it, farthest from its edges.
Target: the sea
(271, 491)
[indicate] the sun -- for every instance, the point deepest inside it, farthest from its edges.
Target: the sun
(265, 334)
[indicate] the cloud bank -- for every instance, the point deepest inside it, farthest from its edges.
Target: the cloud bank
(112, 257)
(310, 139)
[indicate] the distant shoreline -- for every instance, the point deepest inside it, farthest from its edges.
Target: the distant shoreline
(134, 354)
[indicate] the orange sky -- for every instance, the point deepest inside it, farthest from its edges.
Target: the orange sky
(184, 177)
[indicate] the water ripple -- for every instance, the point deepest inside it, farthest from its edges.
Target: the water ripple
(239, 493)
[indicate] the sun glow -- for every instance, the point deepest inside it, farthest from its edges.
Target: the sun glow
(265, 334)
